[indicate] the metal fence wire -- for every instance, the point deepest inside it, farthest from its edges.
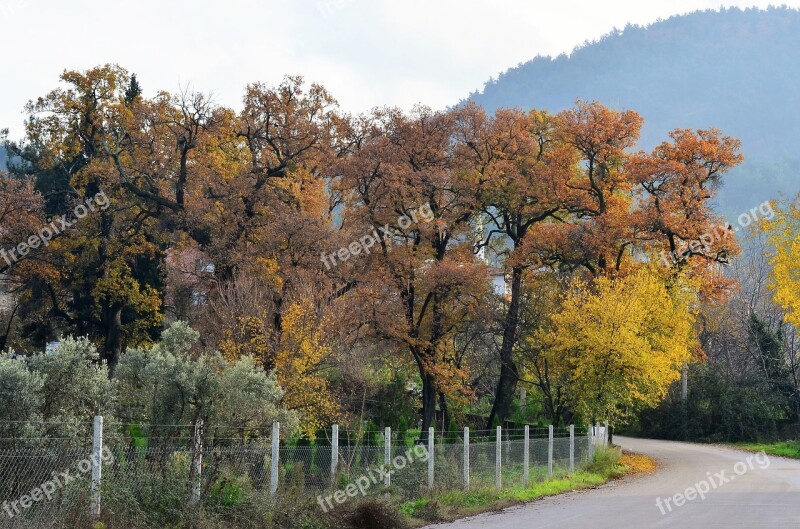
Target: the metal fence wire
(141, 475)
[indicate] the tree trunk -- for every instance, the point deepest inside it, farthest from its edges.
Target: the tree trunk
(445, 411)
(112, 346)
(509, 376)
(429, 394)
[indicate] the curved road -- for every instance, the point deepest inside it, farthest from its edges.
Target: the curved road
(762, 492)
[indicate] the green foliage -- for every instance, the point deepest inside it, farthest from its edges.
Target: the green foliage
(411, 508)
(606, 462)
(472, 498)
(399, 407)
(76, 386)
(169, 385)
(133, 91)
(782, 448)
(454, 504)
(20, 397)
(230, 491)
(57, 393)
(721, 407)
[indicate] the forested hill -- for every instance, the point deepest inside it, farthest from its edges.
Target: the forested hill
(737, 70)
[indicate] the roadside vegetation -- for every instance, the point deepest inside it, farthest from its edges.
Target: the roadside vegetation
(389, 513)
(609, 464)
(746, 387)
(789, 449)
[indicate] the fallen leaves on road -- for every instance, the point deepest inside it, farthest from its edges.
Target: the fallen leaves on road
(637, 463)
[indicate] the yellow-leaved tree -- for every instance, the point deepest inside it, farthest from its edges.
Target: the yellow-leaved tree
(298, 353)
(299, 363)
(617, 345)
(783, 231)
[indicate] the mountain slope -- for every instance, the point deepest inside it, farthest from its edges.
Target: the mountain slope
(736, 70)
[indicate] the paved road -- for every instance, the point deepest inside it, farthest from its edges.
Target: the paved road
(761, 493)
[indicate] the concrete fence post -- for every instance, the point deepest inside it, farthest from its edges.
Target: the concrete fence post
(571, 448)
(197, 463)
(466, 458)
(526, 457)
(431, 457)
(334, 453)
(590, 436)
(550, 451)
(276, 445)
(605, 435)
(498, 460)
(387, 455)
(97, 465)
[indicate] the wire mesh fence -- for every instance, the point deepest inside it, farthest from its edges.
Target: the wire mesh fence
(140, 475)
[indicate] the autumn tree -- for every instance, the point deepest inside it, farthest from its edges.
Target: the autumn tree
(102, 280)
(289, 233)
(619, 344)
(624, 204)
(544, 292)
(676, 186)
(609, 209)
(21, 214)
(419, 280)
(595, 231)
(518, 171)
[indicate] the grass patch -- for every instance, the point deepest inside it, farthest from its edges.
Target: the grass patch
(414, 507)
(452, 505)
(781, 448)
(577, 481)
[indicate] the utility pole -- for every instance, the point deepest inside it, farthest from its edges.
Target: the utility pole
(685, 384)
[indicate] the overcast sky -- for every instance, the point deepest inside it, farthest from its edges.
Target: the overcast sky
(366, 52)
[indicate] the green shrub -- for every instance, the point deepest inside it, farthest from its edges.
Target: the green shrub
(606, 461)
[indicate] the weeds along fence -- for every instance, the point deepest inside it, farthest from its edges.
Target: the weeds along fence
(133, 475)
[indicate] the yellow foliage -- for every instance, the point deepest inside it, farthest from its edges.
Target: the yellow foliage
(784, 235)
(298, 364)
(118, 287)
(619, 344)
(306, 190)
(249, 338)
(297, 354)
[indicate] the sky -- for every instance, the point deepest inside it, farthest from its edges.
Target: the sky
(366, 52)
